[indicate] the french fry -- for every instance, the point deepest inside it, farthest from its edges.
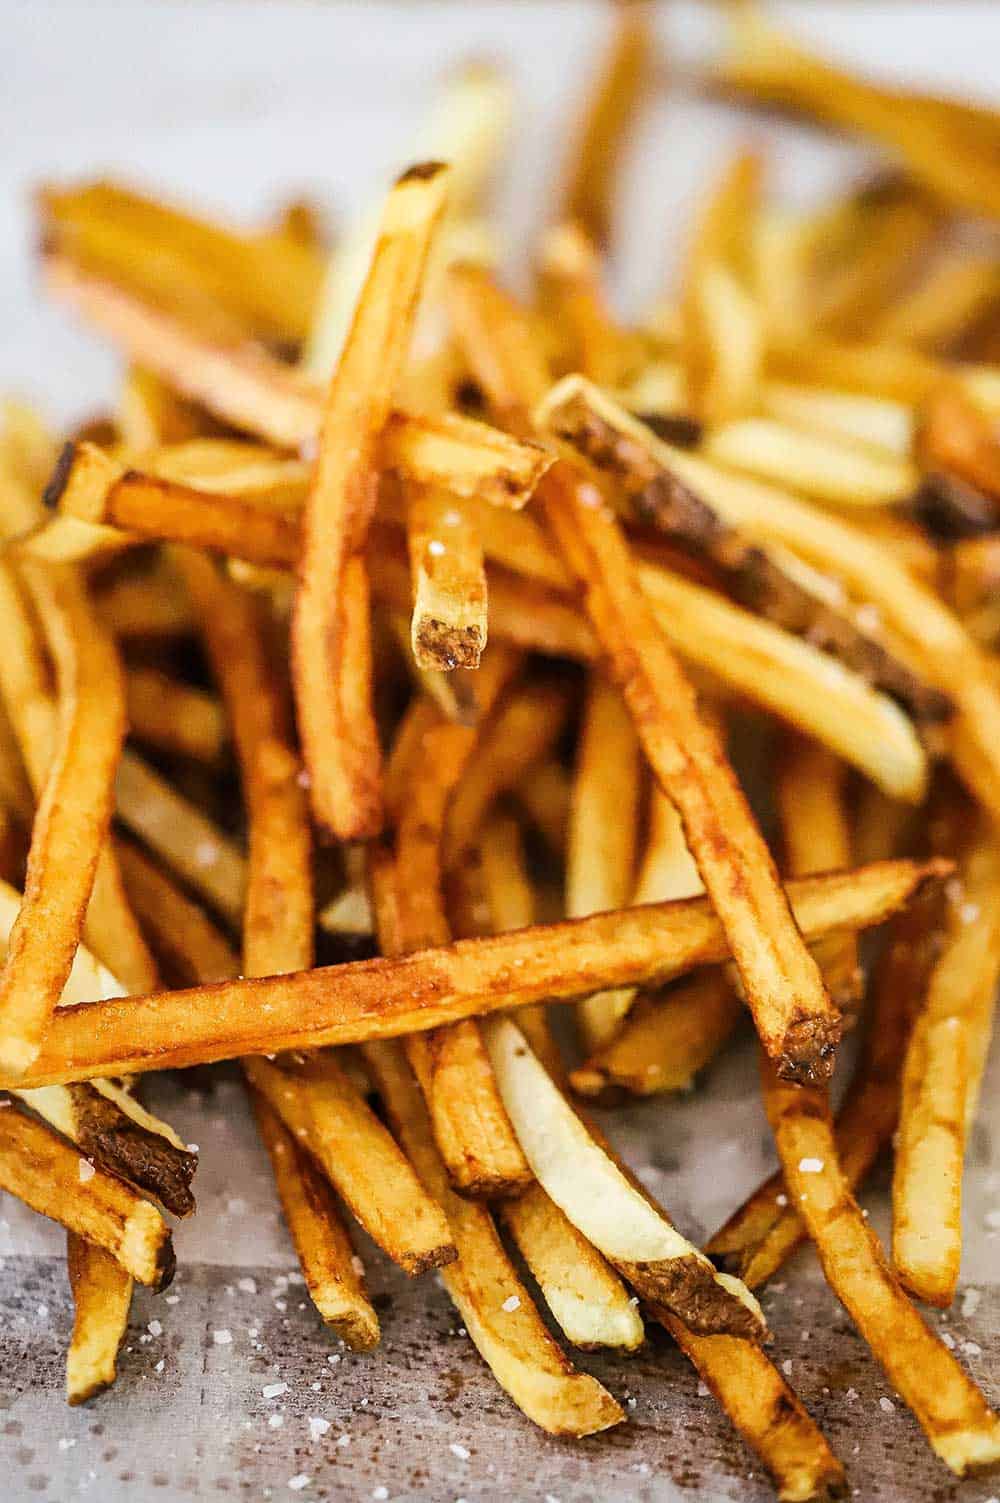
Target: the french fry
(483, 1285)
(165, 712)
(252, 390)
(324, 1249)
(331, 651)
(943, 1070)
(325, 1114)
(43, 1171)
(184, 937)
(570, 275)
(470, 1125)
(259, 284)
(612, 101)
(791, 1009)
(544, 794)
(369, 999)
(820, 467)
(959, 1424)
(519, 733)
(102, 1298)
(878, 422)
(73, 815)
(958, 290)
(185, 838)
(146, 606)
(633, 1233)
(955, 435)
(765, 1410)
(449, 583)
(602, 834)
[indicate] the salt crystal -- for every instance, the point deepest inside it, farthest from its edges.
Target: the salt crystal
(205, 853)
(886, 1405)
(343, 1440)
(274, 1390)
(811, 1166)
(281, 1305)
(435, 548)
(248, 1286)
(316, 1386)
(173, 1299)
(969, 912)
(703, 1390)
(276, 1421)
(298, 1483)
(66, 1442)
(86, 1171)
(318, 1426)
(459, 1451)
(223, 1337)
(161, 1364)
(511, 1303)
(971, 1349)
(781, 1200)
(192, 1148)
(253, 1332)
(786, 1368)
(43, 1312)
(358, 1266)
(948, 1340)
(380, 1492)
(334, 1359)
(452, 518)
(155, 1328)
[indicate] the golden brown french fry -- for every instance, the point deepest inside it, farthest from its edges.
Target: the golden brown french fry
(73, 816)
(570, 275)
(886, 232)
(182, 836)
(942, 1075)
(791, 1009)
(957, 291)
(877, 422)
(483, 1285)
(955, 435)
(147, 605)
(818, 466)
(959, 1424)
(102, 1298)
(331, 649)
(94, 488)
(324, 1112)
(765, 1410)
(601, 136)
(602, 834)
(258, 393)
(544, 794)
(815, 830)
(633, 1233)
(165, 712)
(184, 937)
(519, 733)
(324, 1249)
(362, 1000)
(449, 582)
(953, 157)
(44, 1171)
(260, 284)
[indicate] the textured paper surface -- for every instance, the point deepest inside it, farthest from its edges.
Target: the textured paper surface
(239, 105)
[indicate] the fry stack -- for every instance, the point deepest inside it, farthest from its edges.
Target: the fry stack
(456, 636)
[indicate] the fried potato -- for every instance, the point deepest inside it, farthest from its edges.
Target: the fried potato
(449, 583)
(331, 648)
(382, 999)
(102, 1298)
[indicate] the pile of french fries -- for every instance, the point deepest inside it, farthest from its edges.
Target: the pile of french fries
(422, 634)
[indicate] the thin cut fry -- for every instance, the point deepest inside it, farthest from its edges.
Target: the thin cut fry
(818, 466)
(957, 436)
(369, 999)
(102, 1298)
(165, 712)
(184, 837)
(601, 845)
(44, 1172)
(331, 650)
(633, 1233)
(544, 793)
(958, 1422)
(942, 1075)
(186, 941)
(449, 583)
(324, 1249)
(73, 816)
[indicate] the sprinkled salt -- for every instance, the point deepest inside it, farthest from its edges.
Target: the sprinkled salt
(969, 912)
(786, 1367)
(276, 1421)
(343, 1440)
(970, 1302)
(173, 1299)
(357, 1265)
(274, 1390)
(298, 1483)
(161, 1364)
(86, 1171)
(851, 1393)
(318, 1426)
(971, 1349)
(781, 1200)
(192, 1148)
(205, 853)
(460, 1451)
(380, 1492)
(811, 1166)
(703, 1390)
(155, 1328)
(248, 1286)
(435, 548)
(948, 1340)
(333, 1359)
(511, 1303)
(222, 1337)
(43, 1312)
(886, 1405)
(65, 1442)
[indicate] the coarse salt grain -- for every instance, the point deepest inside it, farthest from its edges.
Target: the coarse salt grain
(357, 1265)
(222, 1337)
(298, 1483)
(276, 1421)
(248, 1286)
(86, 1171)
(333, 1359)
(343, 1440)
(703, 1390)
(380, 1492)
(318, 1426)
(851, 1393)
(161, 1365)
(811, 1166)
(948, 1340)
(886, 1405)
(511, 1303)
(786, 1367)
(460, 1451)
(971, 1349)
(155, 1328)
(781, 1200)
(65, 1442)
(173, 1299)
(274, 1390)
(435, 548)
(970, 1302)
